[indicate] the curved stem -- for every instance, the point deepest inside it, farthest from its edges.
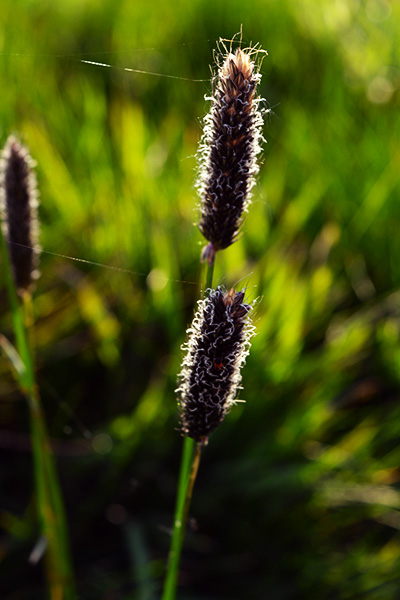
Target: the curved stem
(48, 494)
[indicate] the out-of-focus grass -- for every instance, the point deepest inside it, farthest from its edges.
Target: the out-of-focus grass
(298, 493)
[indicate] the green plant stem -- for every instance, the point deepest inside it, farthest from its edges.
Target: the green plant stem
(178, 531)
(190, 461)
(192, 478)
(61, 538)
(25, 379)
(189, 466)
(209, 276)
(48, 495)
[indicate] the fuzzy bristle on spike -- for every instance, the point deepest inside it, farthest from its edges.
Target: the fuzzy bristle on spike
(217, 346)
(229, 149)
(19, 203)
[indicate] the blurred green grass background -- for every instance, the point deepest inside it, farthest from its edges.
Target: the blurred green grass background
(298, 492)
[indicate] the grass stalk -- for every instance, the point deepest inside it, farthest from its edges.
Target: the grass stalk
(48, 495)
(169, 592)
(209, 276)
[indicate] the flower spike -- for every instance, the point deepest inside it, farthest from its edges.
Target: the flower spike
(229, 149)
(217, 347)
(19, 201)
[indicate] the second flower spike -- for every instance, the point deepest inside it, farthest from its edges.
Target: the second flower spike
(217, 346)
(229, 148)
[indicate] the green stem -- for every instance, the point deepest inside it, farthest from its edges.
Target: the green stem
(48, 495)
(190, 461)
(192, 478)
(178, 532)
(209, 276)
(25, 380)
(189, 467)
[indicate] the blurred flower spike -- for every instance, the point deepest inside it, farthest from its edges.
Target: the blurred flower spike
(19, 202)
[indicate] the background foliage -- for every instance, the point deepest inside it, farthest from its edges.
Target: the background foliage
(298, 492)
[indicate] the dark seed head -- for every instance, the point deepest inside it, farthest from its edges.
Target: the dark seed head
(229, 149)
(217, 346)
(19, 213)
